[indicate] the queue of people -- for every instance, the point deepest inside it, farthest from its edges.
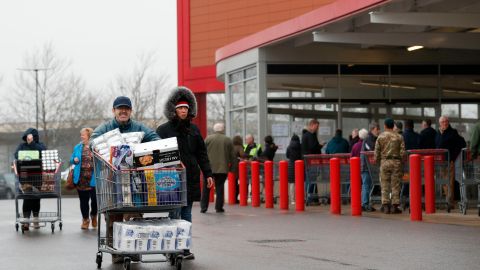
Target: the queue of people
(218, 155)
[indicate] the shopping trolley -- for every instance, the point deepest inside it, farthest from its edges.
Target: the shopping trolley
(468, 175)
(317, 168)
(131, 192)
(374, 171)
(33, 183)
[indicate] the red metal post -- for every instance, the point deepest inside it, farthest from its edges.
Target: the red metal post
(429, 176)
(415, 188)
(299, 185)
(232, 188)
(212, 194)
(268, 166)
(242, 173)
(284, 185)
(335, 206)
(355, 186)
(255, 184)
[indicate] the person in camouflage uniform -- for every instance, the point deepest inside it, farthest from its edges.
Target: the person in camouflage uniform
(389, 153)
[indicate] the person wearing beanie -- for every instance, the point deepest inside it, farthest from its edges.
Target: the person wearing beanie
(180, 108)
(389, 154)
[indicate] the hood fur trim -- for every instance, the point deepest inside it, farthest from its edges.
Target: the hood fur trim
(180, 92)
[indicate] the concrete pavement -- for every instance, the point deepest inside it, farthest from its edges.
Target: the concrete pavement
(248, 238)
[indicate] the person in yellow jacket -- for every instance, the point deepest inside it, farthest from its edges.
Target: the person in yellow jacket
(252, 150)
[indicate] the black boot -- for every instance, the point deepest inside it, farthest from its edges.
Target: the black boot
(396, 209)
(385, 208)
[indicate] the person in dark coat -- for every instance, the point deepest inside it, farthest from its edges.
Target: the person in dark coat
(337, 145)
(398, 127)
(310, 146)
(353, 138)
(448, 138)
(31, 142)
(412, 142)
(410, 137)
(294, 153)
(270, 149)
(427, 135)
(180, 109)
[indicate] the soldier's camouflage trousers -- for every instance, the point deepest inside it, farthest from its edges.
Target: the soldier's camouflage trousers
(391, 172)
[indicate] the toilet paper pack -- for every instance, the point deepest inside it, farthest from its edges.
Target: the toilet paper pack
(184, 242)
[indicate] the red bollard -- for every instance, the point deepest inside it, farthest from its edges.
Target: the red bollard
(242, 173)
(212, 194)
(283, 185)
(255, 184)
(429, 176)
(355, 186)
(335, 206)
(299, 185)
(232, 189)
(268, 166)
(415, 188)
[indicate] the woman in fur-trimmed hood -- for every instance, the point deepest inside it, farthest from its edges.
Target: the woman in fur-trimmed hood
(180, 93)
(180, 109)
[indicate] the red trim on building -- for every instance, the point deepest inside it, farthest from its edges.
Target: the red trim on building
(198, 79)
(318, 17)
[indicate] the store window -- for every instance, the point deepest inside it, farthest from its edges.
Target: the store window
(243, 94)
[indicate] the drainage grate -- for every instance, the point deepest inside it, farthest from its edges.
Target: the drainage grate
(268, 241)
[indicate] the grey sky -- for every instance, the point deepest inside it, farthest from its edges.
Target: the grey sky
(102, 38)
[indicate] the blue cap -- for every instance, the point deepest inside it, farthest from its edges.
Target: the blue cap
(122, 101)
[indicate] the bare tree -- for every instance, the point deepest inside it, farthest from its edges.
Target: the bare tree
(63, 101)
(146, 88)
(216, 110)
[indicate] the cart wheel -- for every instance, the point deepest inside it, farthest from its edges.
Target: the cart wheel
(126, 263)
(53, 227)
(60, 225)
(178, 262)
(99, 260)
(16, 226)
(170, 258)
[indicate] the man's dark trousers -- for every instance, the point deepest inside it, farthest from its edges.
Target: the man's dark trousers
(219, 191)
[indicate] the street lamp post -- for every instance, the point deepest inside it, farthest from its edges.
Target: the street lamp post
(36, 90)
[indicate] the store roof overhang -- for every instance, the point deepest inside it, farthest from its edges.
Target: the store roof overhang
(377, 33)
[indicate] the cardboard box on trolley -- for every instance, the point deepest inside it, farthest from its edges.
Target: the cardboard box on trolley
(154, 155)
(161, 153)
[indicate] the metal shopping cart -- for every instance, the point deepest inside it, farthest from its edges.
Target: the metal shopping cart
(469, 175)
(317, 168)
(374, 172)
(132, 192)
(32, 183)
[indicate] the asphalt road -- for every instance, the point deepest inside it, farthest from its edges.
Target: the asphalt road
(248, 238)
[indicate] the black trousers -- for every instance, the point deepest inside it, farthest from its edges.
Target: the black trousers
(219, 191)
(31, 206)
(85, 196)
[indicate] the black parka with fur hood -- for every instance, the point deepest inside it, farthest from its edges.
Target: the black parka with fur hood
(193, 152)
